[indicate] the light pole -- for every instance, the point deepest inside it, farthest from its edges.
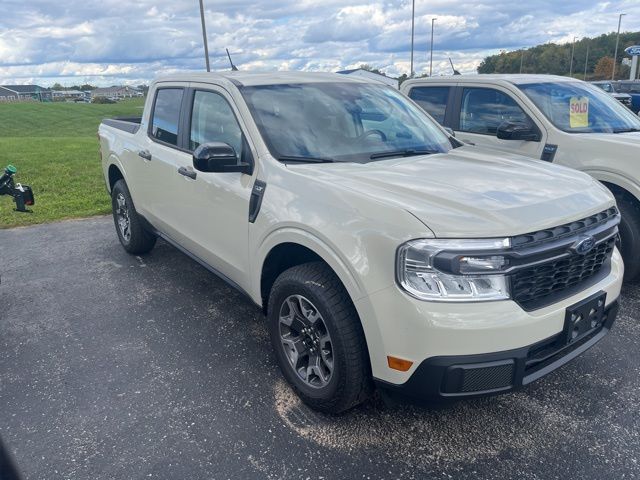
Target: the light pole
(586, 60)
(573, 49)
(431, 59)
(615, 55)
(204, 36)
(413, 16)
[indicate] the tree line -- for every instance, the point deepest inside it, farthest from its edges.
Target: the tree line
(555, 59)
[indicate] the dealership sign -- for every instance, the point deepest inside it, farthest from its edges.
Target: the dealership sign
(633, 51)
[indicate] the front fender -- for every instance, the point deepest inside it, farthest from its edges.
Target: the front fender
(616, 179)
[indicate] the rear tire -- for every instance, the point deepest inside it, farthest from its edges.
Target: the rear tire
(313, 324)
(630, 237)
(131, 232)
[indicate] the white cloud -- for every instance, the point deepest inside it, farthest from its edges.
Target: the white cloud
(114, 41)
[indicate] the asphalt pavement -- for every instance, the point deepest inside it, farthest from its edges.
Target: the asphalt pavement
(121, 367)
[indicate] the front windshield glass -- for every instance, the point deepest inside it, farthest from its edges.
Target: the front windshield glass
(581, 108)
(349, 122)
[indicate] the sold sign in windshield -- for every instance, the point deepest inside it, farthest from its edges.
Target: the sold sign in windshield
(579, 112)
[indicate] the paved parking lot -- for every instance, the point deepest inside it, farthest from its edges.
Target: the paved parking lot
(118, 367)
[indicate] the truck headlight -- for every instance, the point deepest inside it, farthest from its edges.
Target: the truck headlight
(454, 270)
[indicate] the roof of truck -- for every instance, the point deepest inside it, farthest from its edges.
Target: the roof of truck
(517, 79)
(241, 78)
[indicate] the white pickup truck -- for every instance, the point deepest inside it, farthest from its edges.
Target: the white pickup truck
(382, 250)
(556, 119)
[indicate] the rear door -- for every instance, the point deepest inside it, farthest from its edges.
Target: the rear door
(478, 111)
(436, 100)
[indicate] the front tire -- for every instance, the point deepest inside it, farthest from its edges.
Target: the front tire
(630, 237)
(318, 339)
(133, 237)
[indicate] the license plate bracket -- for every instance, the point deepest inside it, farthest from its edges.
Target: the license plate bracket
(584, 317)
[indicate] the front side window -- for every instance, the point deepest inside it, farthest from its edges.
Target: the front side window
(213, 120)
(483, 110)
(578, 107)
(166, 115)
(341, 121)
(432, 99)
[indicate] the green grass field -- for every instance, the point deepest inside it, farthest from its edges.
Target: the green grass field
(55, 149)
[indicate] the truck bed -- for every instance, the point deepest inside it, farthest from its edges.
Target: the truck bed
(126, 124)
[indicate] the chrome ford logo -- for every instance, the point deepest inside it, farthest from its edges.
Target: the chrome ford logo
(584, 245)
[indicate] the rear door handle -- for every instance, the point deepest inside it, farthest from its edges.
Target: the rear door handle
(144, 154)
(187, 173)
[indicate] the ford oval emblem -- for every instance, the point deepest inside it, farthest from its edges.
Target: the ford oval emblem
(584, 245)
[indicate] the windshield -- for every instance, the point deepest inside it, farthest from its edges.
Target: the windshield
(577, 107)
(349, 122)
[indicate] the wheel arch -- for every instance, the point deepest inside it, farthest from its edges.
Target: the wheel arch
(289, 247)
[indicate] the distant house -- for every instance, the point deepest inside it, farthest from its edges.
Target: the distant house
(7, 95)
(72, 94)
(29, 92)
(359, 72)
(116, 92)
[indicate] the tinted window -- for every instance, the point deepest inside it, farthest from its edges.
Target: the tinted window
(342, 121)
(166, 115)
(432, 99)
(484, 109)
(213, 120)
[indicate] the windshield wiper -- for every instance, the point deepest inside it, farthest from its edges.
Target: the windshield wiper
(293, 158)
(402, 153)
(626, 130)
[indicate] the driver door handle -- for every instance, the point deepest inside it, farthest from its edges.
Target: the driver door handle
(144, 154)
(187, 173)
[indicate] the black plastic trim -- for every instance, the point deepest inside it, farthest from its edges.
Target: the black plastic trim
(257, 192)
(128, 125)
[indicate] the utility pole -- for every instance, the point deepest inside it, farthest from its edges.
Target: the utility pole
(413, 17)
(573, 49)
(431, 59)
(521, 60)
(615, 55)
(204, 36)
(586, 60)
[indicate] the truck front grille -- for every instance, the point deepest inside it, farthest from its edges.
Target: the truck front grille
(530, 286)
(547, 267)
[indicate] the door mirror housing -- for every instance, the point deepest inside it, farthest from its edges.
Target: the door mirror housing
(219, 157)
(518, 131)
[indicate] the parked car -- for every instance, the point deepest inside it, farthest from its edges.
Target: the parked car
(556, 119)
(380, 248)
(611, 89)
(631, 88)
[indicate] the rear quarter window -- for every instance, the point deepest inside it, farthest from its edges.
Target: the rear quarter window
(166, 115)
(433, 100)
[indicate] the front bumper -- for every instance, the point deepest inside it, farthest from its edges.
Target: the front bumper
(455, 377)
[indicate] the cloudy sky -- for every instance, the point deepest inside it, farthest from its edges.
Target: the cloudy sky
(130, 41)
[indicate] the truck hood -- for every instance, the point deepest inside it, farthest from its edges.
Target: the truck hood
(472, 192)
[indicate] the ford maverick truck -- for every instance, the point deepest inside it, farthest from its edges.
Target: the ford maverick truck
(556, 119)
(383, 251)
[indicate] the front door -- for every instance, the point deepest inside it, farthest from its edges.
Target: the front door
(215, 206)
(483, 109)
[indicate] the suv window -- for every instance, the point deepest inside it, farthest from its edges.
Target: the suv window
(484, 109)
(166, 115)
(432, 99)
(213, 120)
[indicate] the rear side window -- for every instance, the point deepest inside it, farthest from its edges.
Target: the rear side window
(432, 99)
(484, 109)
(166, 115)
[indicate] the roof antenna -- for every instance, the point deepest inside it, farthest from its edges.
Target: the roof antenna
(233, 67)
(455, 72)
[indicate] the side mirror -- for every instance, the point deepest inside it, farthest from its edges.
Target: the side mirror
(518, 131)
(219, 157)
